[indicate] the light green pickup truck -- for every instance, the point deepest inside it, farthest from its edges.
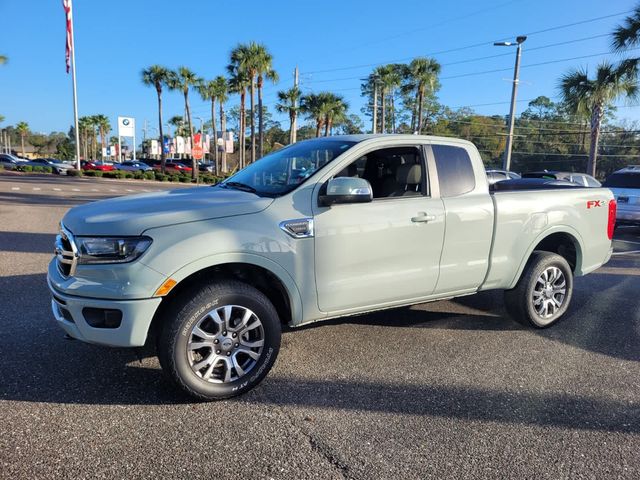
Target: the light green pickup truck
(321, 229)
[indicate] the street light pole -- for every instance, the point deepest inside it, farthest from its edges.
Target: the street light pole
(506, 162)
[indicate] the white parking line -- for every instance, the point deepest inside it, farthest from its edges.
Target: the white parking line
(129, 190)
(75, 189)
(95, 190)
(57, 189)
(627, 241)
(112, 190)
(37, 188)
(632, 252)
(15, 188)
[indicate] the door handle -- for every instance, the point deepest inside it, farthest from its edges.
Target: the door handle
(423, 217)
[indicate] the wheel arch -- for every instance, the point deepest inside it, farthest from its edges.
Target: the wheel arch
(259, 272)
(564, 241)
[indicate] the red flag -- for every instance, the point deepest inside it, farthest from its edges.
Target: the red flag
(66, 4)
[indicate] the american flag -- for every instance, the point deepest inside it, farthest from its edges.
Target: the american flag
(67, 11)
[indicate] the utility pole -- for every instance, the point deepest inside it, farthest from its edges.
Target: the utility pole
(294, 124)
(144, 130)
(374, 128)
(506, 162)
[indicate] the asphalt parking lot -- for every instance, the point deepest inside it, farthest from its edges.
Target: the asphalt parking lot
(449, 389)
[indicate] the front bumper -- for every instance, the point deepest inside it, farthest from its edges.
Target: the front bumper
(132, 332)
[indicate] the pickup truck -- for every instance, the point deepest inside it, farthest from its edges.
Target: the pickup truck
(323, 228)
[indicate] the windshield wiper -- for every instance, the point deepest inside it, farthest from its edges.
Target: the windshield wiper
(239, 186)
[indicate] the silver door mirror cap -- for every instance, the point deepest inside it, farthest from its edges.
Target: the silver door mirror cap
(347, 190)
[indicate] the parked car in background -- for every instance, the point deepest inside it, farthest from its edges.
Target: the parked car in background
(205, 167)
(58, 166)
(131, 166)
(9, 162)
(581, 179)
(174, 167)
(93, 165)
(498, 175)
(625, 185)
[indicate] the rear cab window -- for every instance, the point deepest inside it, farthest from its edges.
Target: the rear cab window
(455, 170)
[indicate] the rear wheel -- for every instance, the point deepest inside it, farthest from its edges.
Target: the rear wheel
(543, 293)
(221, 342)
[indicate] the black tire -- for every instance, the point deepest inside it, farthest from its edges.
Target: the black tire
(519, 301)
(172, 342)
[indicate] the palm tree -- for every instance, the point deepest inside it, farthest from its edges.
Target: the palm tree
(584, 95)
(23, 130)
(264, 69)
(178, 123)
(104, 127)
(312, 105)
(335, 108)
(243, 60)
(388, 78)
(238, 83)
(221, 89)
(422, 76)
(215, 90)
(324, 108)
(183, 79)
(255, 61)
(93, 122)
(627, 35)
(157, 76)
(206, 91)
(3, 59)
(289, 102)
(84, 125)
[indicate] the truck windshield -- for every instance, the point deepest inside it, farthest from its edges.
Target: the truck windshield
(283, 170)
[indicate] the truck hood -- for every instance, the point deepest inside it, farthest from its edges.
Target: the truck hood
(132, 215)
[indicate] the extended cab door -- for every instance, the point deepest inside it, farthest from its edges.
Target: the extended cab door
(385, 251)
(469, 216)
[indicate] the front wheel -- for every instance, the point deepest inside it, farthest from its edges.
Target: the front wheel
(543, 293)
(220, 342)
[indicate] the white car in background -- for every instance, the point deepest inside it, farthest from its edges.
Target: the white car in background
(625, 185)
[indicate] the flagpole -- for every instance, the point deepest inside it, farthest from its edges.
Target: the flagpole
(75, 97)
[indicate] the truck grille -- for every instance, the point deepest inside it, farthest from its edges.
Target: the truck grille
(66, 253)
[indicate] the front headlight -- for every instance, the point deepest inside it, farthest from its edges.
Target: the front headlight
(92, 250)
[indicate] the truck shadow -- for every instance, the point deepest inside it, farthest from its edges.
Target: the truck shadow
(27, 242)
(39, 365)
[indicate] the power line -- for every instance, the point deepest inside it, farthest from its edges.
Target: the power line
(474, 45)
(432, 26)
(487, 57)
(548, 62)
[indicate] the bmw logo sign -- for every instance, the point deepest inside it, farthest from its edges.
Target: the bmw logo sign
(125, 122)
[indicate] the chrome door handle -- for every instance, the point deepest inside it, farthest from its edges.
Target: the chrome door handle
(423, 217)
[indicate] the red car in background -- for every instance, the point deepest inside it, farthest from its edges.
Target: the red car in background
(174, 167)
(103, 167)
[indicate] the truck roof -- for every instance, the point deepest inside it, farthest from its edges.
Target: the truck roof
(368, 136)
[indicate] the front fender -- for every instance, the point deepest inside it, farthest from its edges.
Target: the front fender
(203, 263)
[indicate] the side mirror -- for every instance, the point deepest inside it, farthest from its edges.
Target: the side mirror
(346, 190)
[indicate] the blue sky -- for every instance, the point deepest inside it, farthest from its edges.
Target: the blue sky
(116, 39)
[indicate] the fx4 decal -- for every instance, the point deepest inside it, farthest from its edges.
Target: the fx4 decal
(595, 203)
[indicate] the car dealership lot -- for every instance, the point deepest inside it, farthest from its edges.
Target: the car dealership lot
(447, 389)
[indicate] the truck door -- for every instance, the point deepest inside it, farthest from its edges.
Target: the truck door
(385, 251)
(469, 217)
